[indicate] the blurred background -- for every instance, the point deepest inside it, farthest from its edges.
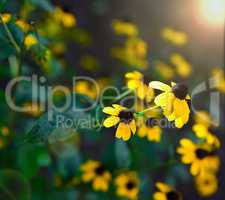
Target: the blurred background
(87, 50)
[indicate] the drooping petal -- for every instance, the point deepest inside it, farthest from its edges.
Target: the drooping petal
(195, 167)
(133, 84)
(161, 100)
(132, 125)
(142, 131)
(123, 131)
(111, 121)
(179, 123)
(159, 196)
(160, 86)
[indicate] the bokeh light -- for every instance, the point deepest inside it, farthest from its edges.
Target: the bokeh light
(213, 11)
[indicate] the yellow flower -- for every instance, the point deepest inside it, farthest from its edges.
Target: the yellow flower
(6, 17)
(174, 37)
(94, 172)
(165, 70)
(86, 88)
(135, 82)
(150, 129)
(205, 132)
(134, 53)
(219, 76)
(24, 26)
(124, 117)
(203, 117)
(201, 157)
(67, 19)
(173, 101)
(166, 192)
(124, 28)
(30, 41)
(127, 185)
(206, 184)
(183, 68)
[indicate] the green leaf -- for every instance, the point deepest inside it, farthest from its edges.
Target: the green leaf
(31, 158)
(53, 125)
(2, 5)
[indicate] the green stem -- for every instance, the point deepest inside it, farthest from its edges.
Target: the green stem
(146, 110)
(126, 93)
(10, 36)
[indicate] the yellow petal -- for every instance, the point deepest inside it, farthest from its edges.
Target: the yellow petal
(142, 131)
(160, 86)
(161, 100)
(159, 196)
(87, 177)
(154, 134)
(132, 125)
(134, 75)
(163, 187)
(111, 121)
(123, 131)
(195, 167)
(110, 111)
(187, 143)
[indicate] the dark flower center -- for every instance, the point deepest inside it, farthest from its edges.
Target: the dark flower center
(100, 170)
(130, 185)
(173, 195)
(212, 130)
(202, 153)
(180, 91)
(126, 116)
(151, 122)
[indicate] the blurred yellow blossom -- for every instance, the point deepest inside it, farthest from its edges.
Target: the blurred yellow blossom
(165, 70)
(124, 28)
(6, 17)
(134, 53)
(166, 192)
(86, 88)
(219, 76)
(150, 128)
(94, 172)
(30, 41)
(183, 67)
(24, 26)
(127, 185)
(206, 184)
(67, 19)
(135, 82)
(174, 37)
(201, 157)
